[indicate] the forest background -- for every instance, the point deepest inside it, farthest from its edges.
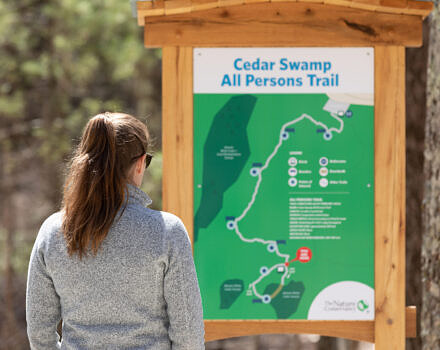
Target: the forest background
(63, 61)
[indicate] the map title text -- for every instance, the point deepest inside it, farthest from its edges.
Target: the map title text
(305, 73)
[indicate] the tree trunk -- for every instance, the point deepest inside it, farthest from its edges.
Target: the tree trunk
(430, 317)
(416, 68)
(9, 329)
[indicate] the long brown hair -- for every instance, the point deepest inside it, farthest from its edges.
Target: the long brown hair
(97, 178)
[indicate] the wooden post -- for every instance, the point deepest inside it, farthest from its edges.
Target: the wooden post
(177, 130)
(390, 197)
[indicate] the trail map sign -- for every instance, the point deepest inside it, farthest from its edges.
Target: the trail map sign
(284, 155)
(284, 182)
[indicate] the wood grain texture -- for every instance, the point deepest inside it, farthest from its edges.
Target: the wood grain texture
(356, 330)
(421, 8)
(200, 5)
(390, 197)
(253, 1)
(173, 7)
(315, 1)
(283, 24)
(394, 3)
(369, 5)
(411, 322)
(177, 133)
(149, 8)
(224, 3)
(406, 7)
(345, 3)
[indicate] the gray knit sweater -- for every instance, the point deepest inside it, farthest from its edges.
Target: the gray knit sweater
(139, 292)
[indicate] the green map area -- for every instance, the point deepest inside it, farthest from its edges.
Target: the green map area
(283, 200)
(219, 173)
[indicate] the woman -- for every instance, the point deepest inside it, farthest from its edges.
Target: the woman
(119, 275)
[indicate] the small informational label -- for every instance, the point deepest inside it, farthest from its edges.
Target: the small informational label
(284, 182)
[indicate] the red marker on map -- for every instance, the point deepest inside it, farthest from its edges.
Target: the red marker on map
(303, 254)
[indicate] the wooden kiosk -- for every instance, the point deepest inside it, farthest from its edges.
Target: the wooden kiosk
(387, 25)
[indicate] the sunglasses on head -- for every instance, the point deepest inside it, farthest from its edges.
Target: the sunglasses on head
(148, 158)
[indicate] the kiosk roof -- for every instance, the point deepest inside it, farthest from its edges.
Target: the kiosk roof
(151, 8)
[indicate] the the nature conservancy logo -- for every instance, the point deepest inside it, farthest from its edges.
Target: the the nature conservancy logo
(335, 305)
(339, 305)
(344, 300)
(362, 305)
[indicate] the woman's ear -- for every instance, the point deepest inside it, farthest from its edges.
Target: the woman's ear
(140, 164)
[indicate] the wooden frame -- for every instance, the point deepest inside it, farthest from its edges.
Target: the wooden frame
(278, 24)
(177, 130)
(389, 197)
(392, 321)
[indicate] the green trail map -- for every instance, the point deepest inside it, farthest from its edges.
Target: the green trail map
(284, 205)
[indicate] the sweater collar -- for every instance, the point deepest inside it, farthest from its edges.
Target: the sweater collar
(137, 196)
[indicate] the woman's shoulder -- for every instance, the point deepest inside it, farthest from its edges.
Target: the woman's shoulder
(170, 219)
(157, 220)
(175, 229)
(50, 225)
(163, 219)
(49, 231)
